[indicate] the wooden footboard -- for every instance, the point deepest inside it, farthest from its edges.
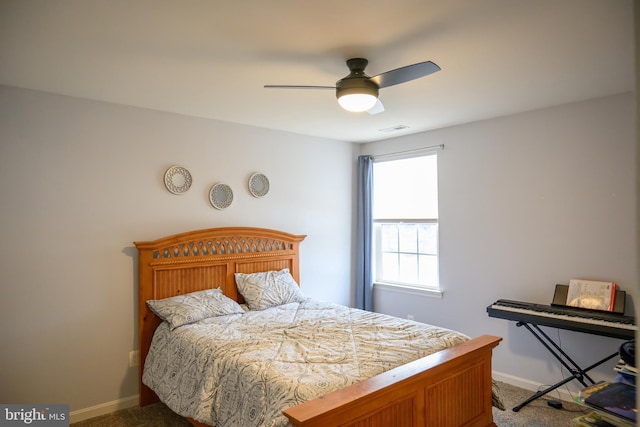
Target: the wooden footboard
(448, 388)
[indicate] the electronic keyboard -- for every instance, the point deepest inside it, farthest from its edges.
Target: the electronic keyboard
(573, 319)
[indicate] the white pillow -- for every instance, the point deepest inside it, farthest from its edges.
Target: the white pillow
(268, 289)
(184, 309)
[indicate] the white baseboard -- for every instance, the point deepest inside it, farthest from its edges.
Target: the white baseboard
(560, 393)
(128, 402)
(103, 409)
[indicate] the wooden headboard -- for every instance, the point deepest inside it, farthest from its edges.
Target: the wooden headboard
(205, 259)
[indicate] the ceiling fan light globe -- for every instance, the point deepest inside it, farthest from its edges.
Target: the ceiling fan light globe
(357, 102)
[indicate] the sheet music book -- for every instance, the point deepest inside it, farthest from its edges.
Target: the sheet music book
(561, 292)
(591, 294)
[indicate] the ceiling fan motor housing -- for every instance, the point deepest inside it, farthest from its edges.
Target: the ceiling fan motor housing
(357, 82)
(356, 85)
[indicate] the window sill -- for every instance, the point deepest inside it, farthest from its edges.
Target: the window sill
(407, 289)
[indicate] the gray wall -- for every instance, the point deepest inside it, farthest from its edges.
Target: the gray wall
(83, 180)
(523, 200)
(528, 201)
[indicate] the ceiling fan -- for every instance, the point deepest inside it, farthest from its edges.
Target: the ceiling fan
(358, 92)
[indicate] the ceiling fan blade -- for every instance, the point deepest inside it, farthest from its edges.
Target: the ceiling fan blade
(405, 74)
(298, 87)
(377, 108)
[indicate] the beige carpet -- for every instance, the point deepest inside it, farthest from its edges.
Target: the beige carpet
(536, 414)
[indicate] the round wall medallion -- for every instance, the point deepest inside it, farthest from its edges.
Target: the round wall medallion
(258, 185)
(177, 179)
(220, 196)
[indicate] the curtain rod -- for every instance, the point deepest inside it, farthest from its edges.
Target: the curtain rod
(417, 150)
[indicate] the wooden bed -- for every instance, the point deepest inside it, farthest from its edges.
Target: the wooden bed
(450, 388)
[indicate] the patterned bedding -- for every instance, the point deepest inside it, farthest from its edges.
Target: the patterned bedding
(242, 370)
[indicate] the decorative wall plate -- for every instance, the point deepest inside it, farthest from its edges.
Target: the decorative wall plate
(220, 196)
(258, 185)
(177, 180)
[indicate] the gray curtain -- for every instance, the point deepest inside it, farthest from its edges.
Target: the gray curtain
(364, 279)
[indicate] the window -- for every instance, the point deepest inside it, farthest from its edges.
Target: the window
(405, 221)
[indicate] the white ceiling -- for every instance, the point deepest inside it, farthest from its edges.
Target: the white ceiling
(211, 58)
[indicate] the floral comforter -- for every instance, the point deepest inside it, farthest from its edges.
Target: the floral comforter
(242, 370)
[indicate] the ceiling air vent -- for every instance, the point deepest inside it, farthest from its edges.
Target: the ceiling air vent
(395, 128)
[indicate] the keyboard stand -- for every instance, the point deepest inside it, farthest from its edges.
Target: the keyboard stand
(577, 373)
